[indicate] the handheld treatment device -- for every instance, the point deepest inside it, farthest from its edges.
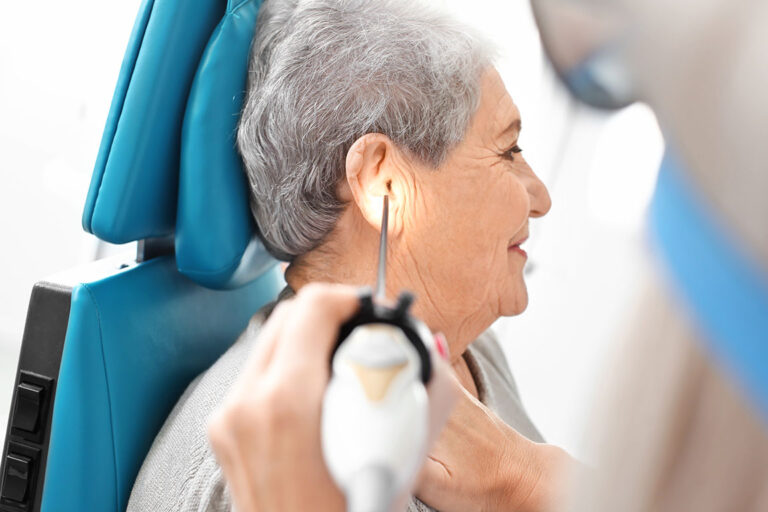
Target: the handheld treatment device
(375, 416)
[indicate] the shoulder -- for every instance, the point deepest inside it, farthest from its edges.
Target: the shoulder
(487, 350)
(180, 472)
(500, 392)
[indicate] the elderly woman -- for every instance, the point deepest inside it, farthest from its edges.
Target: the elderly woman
(348, 101)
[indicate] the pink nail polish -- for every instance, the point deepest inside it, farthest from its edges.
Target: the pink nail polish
(442, 345)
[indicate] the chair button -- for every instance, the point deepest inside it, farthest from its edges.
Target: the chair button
(29, 400)
(16, 477)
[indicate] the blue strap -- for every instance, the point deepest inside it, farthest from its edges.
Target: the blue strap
(725, 288)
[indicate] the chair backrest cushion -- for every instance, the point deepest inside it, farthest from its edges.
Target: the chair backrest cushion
(134, 341)
(167, 164)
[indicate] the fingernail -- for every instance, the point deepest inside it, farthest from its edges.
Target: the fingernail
(442, 345)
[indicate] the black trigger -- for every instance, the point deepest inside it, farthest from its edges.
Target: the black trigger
(366, 302)
(404, 301)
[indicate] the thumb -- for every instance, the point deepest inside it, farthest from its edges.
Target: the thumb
(443, 391)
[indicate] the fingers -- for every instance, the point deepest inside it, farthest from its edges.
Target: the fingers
(234, 460)
(329, 306)
(443, 392)
(265, 434)
(322, 308)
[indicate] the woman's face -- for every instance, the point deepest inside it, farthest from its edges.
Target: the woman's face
(466, 221)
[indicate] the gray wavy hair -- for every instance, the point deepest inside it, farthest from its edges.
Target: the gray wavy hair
(325, 72)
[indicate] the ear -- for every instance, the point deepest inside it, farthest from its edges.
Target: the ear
(374, 169)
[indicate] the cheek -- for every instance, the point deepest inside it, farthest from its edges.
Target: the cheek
(459, 224)
(501, 211)
(474, 215)
(518, 205)
(480, 216)
(465, 229)
(500, 216)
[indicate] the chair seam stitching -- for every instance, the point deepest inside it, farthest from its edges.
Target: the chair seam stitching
(109, 394)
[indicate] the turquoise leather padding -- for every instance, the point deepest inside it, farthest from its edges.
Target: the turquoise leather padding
(134, 342)
(216, 240)
(134, 185)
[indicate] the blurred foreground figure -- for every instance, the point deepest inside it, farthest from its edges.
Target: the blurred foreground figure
(685, 424)
(676, 433)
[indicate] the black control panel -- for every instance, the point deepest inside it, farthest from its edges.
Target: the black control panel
(22, 468)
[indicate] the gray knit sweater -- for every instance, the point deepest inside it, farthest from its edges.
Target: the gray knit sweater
(181, 474)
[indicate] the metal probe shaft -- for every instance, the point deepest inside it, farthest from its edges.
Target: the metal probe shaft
(381, 276)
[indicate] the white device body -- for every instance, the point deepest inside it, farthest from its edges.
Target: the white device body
(375, 411)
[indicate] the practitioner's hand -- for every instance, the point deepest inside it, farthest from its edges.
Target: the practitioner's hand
(266, 435)
(481, 463)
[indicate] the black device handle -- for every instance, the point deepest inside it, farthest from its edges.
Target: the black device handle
(398, 316)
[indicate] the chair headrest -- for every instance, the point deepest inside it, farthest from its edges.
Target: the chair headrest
(217, 243)
(167, 164)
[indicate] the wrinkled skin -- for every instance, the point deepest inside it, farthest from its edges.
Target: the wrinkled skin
(450, 228)
(454, 235)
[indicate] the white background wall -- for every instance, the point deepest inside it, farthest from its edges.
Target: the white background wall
(58, 66)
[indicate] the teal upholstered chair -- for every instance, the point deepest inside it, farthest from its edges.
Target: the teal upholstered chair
(109, 348)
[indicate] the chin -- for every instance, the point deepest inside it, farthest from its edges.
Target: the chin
(515, 302)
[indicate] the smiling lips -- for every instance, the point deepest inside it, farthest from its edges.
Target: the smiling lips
(515, 247)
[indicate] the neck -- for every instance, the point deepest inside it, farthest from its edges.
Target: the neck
(350, 256)
(347, 256)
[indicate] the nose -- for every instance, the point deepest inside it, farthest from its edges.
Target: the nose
(537, 191)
